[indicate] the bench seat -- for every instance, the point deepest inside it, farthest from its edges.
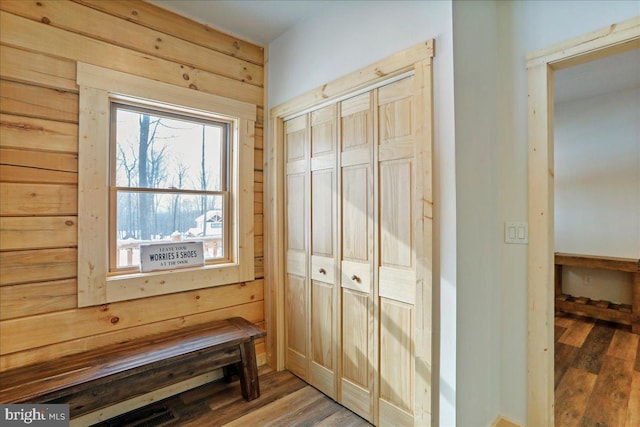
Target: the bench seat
(98, 378)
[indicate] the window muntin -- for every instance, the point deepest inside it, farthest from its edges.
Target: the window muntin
(169, 182)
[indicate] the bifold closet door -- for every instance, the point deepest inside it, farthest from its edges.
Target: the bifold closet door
(397, 259)
(297, 282)
(324, 304)
(358, 356)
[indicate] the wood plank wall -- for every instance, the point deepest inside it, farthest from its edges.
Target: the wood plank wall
(40, 44)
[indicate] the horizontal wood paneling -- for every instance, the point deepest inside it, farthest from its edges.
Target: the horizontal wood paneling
(179, 26)
(38, 232)
(38, 160)
(37, 134)
(31, 35)
(37, 265)
(39, 199)
(127, 34)
(31, 67)
(83, 322)
(26, 174)
(36, 298)
(41, 42)
(39, 102)
(252, 311)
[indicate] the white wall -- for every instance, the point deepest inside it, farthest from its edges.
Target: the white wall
(525, 26)
(349, 36)
(597, 188)
(475, 62)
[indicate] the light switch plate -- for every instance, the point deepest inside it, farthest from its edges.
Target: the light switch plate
(516, 233)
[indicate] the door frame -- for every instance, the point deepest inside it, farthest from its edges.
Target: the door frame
(417, 60)
(541, 65)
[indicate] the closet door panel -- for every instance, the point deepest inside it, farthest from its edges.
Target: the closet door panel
(355, 213)
(396, 112)
(355, 338)
(322, 216)
(297, 287)
(323, 238)
(357, 243)
(323, 269)
(356, 276)
(357, 368)
(296, 139)
(396, 260)
(323, 131)
(296, 212)
(297, 322)
(322, 337)
(396, 233)
(356, 122)
(396, 354)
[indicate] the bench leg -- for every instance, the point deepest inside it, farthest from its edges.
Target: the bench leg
(248, 371)
(228, 372)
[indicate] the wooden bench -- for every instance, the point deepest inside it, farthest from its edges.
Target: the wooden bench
(620, 313)
(99, 378)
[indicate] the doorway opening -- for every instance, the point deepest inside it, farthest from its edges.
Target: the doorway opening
(542, 65)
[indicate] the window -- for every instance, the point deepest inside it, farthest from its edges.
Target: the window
(168, 182)
(158, 164)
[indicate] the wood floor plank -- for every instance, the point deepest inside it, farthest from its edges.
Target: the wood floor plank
(588, 422)
(558, 331)
(306, 414)
(572, 396)
(273, 386)
(343, 418)
(637, 367)
(593, 350)
(564, 320)
(577, 333)
(271, 413)
(285, 400)
(624, 345)
(564, 357)
(633, 410)
(609, 401)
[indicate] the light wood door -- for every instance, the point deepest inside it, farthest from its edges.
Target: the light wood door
(358, 287)
(324, 313)
(358, 356)
(397, 260)
(297, 245)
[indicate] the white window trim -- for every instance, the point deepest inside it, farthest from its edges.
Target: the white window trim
(95, 285)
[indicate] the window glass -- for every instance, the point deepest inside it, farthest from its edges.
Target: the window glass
(169, 182)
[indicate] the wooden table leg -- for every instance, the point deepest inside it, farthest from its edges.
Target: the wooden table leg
(558, 279)
(635, 307)
(248, 371)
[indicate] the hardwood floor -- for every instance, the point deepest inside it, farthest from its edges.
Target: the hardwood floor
(285, 400)
(597, 373)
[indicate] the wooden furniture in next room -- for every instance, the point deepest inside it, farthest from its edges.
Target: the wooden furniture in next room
(605, 310)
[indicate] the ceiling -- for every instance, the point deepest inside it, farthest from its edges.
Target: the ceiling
(259, 22)
(263, 21)
(611, 74)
